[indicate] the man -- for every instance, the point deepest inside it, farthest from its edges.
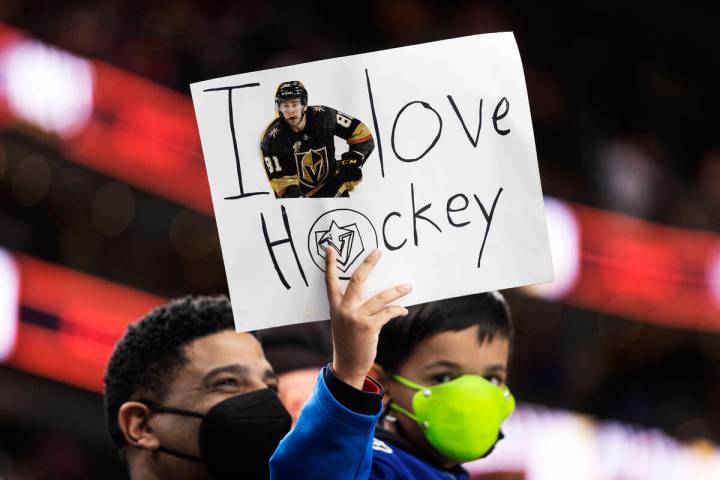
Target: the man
(188, 398)
(298, 147)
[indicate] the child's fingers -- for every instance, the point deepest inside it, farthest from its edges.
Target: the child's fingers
(353, 293)
(331, 280)
(388, 313)
(379, 301)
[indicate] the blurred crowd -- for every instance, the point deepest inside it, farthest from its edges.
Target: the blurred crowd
(622, 97)
(622, 93)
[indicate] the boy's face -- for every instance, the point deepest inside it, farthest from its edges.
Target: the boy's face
(441, 358)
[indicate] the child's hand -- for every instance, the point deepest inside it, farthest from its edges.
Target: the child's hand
(356, 323)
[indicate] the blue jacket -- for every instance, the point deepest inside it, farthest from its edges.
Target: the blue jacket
(394, 461)
(331, 441)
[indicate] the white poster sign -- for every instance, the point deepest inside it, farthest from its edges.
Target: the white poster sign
(425, 152)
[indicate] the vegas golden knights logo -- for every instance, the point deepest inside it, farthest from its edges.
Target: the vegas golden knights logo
(312, 166)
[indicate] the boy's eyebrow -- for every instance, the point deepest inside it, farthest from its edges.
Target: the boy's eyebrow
(498, 367)
(442, 363)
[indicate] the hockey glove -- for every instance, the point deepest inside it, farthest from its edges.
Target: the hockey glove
(348, 167)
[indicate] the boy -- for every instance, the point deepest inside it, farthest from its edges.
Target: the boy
(444, 367)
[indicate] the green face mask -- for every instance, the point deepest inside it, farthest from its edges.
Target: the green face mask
(461, 419)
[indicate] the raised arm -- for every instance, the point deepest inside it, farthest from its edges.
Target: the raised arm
(356, 323)
(334, 433)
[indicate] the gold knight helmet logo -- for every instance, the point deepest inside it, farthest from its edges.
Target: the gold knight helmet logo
(312, 166)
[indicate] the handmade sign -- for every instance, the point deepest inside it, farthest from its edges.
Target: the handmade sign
(426, 152)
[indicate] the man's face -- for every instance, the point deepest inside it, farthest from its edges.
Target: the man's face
(439, 359)
(220, 366)
(292, 110)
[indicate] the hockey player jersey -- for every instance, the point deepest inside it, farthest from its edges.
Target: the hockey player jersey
(306, 159)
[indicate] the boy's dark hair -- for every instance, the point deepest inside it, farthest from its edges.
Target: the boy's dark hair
(147, 357)
(400, 336)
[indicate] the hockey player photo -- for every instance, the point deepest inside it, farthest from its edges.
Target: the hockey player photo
(298, 147)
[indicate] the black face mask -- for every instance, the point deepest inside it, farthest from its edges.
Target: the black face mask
(237, 436)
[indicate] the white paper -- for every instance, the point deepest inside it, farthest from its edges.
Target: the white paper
(410, 87)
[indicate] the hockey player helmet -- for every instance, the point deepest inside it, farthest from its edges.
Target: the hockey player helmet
(290, 90)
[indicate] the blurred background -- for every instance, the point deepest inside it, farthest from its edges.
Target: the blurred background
(105, 211)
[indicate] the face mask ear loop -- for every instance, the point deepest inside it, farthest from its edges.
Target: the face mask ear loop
(398, 408)
(413, 386)
(184, 456)
(177, 411)
(407, 383)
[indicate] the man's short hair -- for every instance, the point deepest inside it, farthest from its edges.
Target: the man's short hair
(148, 356)
(400, 336)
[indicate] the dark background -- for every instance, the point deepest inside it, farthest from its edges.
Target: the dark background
(623, 97)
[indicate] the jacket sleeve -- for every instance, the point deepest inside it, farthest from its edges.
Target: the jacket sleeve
(329, 441)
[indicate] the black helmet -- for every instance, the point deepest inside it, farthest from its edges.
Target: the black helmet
(290, 90)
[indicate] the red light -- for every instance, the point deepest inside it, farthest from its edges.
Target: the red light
(649, 272)
(93, 313)
(137, 131)
(640, 268)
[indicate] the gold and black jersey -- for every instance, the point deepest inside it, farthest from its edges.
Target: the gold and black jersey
(307, 158)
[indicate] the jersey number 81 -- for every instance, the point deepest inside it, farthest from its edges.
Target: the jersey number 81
(269, 164)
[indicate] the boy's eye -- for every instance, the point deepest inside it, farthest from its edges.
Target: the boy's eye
(494, 379)
(442, 378)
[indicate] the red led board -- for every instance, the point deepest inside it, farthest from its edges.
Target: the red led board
(137, 131)
(85, 316)
(637, 269)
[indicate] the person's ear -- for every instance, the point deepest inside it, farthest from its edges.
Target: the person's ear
(134, 422)
(378, 373)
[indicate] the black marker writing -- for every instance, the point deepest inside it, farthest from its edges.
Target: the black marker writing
(475, 140)
(435, 140)
(384, 232)
(451, 209)
(231, 118)
(417, 214)
(496, 117)
(375, 123)
(488, 219)
(271, 247)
